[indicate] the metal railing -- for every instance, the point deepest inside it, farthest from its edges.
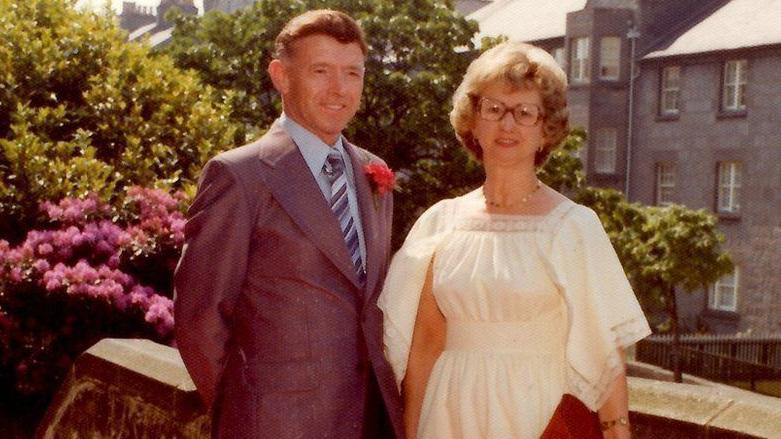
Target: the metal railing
(747, 363)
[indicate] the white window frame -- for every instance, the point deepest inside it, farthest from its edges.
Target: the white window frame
(560, 56)
(670, 90)
(729, 182)
(733, 96)
(665, 183)
(609, 58)
(726, 287)
(605, 150)
(580, 60)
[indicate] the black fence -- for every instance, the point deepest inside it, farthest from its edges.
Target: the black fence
(751, 363)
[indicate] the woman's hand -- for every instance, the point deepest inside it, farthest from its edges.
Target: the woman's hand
(615, 410)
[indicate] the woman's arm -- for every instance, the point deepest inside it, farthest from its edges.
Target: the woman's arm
(428, 341)
(615, 410)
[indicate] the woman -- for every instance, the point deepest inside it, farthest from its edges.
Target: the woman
(504, 299)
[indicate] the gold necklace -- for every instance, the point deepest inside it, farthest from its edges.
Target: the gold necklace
(523, 200)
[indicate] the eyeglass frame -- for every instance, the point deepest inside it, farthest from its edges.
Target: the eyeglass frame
(478, 104)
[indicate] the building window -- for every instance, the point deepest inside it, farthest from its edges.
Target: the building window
(580, 60)
(734, 95)
(724, 293)
(558, 55)
(670, 90)
(605, 151)
(665, 183)
(609, 57)
(729, 178)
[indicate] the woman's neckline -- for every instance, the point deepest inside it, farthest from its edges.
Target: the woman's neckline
(474, 195)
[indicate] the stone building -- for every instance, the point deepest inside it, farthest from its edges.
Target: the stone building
(150, 21)
(693, 120)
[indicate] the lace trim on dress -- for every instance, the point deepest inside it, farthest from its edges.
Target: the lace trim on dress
(502, 222)
(595, 394)
(499, 224)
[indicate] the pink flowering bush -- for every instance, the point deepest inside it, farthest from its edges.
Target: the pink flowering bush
(96, 272)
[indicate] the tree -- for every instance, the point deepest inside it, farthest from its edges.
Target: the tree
(82, 110)
(663, 250)
(409, 83)
(680, 250)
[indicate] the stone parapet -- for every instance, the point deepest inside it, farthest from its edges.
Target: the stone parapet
(126, 388)
(139, 389)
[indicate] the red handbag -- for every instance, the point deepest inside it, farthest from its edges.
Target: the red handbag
(572, 419)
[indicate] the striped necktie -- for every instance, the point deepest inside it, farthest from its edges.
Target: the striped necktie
(334, 171)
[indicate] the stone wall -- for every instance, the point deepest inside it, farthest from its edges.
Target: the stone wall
(126, 389)
(139, 389)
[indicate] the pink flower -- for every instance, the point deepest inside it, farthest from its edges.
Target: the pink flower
(53, 284)
(381, 177)
(15, 274)
(45, 249)
(41, 265)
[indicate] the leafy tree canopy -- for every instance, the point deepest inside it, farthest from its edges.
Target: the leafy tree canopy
(411, 73)
(82, 110)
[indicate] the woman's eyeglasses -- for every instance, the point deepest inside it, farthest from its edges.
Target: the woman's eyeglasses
(527, 115)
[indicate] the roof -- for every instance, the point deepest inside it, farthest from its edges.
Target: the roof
(525, 20)
(143, 30)
(736, 25)
(161, 37)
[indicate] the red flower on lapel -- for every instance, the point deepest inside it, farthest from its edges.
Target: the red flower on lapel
(381, 177)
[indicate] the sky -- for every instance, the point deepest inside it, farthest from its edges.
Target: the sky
(97, 5)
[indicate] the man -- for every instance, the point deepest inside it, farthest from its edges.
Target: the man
(286, 251)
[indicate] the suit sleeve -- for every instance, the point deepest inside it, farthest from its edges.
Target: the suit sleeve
(209, 275)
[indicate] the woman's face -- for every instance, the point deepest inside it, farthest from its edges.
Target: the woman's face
(513, 139)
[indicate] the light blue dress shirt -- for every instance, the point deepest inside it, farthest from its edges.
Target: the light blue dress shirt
(315, 151)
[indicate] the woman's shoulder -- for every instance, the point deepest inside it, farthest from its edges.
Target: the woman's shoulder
(574, 217)
(449, 206)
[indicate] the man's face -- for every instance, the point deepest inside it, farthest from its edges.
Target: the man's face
(321, 83)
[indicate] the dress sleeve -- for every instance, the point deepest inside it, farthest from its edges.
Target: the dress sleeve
(404, 282)
(604, 314)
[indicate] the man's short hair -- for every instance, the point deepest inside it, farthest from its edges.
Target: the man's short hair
(335, 24)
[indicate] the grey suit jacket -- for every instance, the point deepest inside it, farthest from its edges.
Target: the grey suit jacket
(271, 322)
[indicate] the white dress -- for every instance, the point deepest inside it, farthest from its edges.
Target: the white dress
(536, 306)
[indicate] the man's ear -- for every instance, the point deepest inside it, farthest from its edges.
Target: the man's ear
(278, 74)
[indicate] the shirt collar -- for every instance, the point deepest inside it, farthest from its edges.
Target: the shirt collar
(314, 150)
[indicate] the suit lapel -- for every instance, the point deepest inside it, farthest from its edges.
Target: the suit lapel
(293, 186)
(374, 240)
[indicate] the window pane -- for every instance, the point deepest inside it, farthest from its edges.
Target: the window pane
(579, 60)
(671, 76)
(558, 55)
(670, 89)
(729, 96)
(605, 159)
(665, 183)
(740, 71)
(724, 293)
(730, 72)
(729, 178)
(734, 87)
(609, 57)
(726, 298)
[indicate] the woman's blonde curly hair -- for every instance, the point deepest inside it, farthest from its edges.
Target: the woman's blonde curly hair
(521, 66)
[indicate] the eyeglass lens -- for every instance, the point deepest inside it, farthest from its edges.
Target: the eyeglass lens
(524, 114)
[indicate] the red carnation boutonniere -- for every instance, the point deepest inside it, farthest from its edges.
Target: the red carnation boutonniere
(381, 178)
